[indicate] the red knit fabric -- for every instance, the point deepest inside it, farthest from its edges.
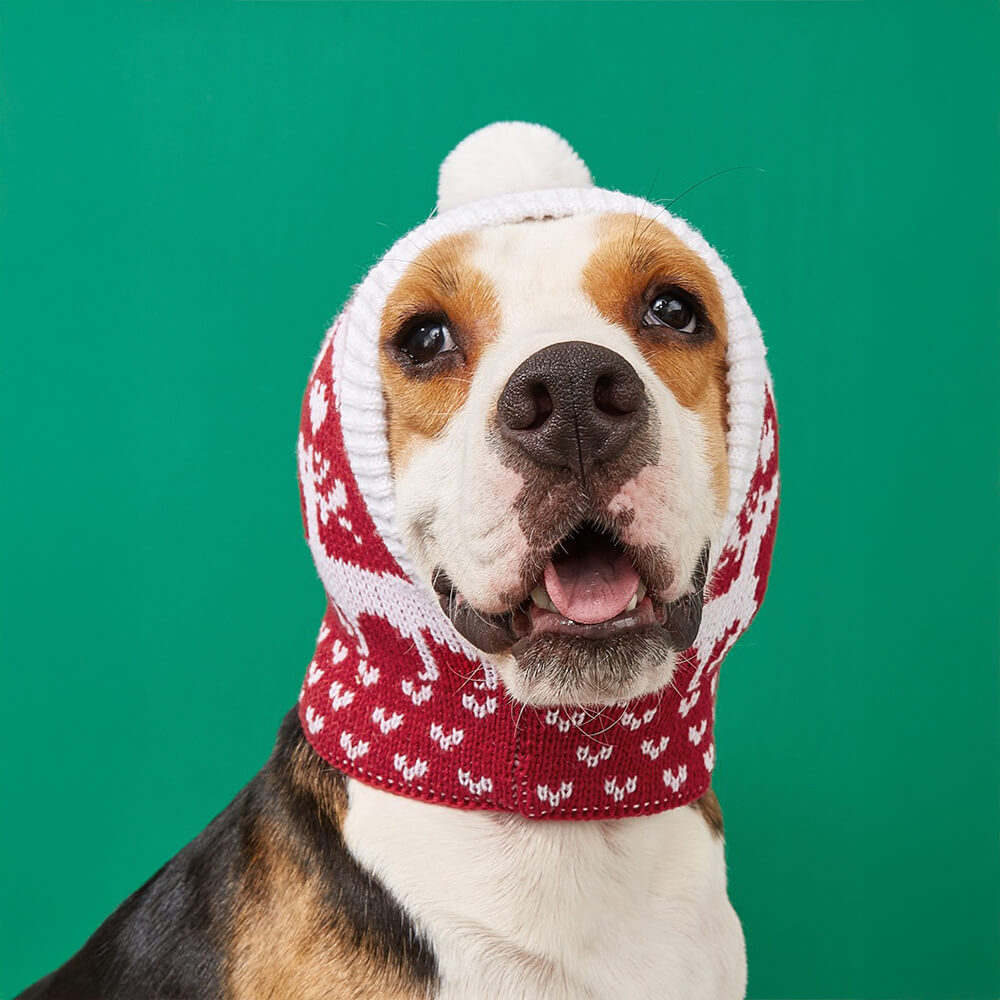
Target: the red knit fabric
(387, 703)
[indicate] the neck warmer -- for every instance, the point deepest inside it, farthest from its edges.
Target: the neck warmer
(395, 696)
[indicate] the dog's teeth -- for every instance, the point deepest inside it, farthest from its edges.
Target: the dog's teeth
(640, 592)
(634, 603)
(541, 597)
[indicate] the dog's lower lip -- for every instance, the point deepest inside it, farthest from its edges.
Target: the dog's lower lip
(539, 621)
(490, 633)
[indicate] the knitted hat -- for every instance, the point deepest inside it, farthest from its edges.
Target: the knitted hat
(394, 695)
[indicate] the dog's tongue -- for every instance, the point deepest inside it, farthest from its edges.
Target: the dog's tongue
(591, 584)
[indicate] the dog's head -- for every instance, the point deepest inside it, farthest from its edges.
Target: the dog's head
(552, 399)
(556, 410)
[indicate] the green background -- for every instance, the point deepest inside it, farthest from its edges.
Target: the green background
(188, 192)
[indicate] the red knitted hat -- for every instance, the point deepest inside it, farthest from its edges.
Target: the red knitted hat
(394, 696)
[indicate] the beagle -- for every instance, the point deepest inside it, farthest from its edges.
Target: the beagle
(538, 461)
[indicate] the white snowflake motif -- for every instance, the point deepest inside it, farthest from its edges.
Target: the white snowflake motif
(618, 792)
(339, 698)
(480, 709)
(477, 788)
(584, 756)
(674, 780)
(367, 675)
(353, 749)
(387, 723)
(688, 703)
(314, 721)
(553, 717)
(417, 770)
(632, 722)
(417, 696)
(554, 798)
(654, 750)
(446, 742)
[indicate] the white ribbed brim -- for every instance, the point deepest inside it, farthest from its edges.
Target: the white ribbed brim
(357, 377)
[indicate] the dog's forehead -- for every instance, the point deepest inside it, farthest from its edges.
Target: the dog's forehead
(543, 270)
(536, 268)
(552, 273)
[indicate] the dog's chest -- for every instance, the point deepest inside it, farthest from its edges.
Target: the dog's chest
(557, 909)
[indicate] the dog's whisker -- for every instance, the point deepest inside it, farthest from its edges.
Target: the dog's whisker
(711, 177)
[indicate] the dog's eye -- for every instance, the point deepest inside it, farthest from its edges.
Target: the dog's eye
(425, 340)
(674, 309)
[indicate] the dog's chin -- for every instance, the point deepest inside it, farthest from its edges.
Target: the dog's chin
(565, 669)
(559, 661)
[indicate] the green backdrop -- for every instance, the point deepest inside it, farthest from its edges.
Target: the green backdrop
(188, 192)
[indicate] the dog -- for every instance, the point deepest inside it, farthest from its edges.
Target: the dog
(538, 461)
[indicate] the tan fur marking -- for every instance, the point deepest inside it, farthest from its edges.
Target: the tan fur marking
(440, 280)
(285, 940)
(711, 811)
(285, 943)
(633, 257)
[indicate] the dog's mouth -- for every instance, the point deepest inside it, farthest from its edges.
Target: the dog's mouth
(589, 586)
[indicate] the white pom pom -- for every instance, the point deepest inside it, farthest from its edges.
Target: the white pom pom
(507, 157)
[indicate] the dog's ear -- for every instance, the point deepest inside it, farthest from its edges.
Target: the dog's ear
(506, 158)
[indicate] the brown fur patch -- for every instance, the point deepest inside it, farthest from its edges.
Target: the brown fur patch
(440, 280)
(288, 936)
(635, 256)
(286, 943)
(708, 806)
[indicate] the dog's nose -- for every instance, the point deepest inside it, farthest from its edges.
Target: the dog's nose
(572, 405)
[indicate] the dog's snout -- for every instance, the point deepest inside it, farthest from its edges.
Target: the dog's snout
(572, 405)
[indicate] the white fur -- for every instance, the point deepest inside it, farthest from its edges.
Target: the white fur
(517, 908)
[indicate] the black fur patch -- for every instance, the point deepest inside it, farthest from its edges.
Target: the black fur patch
(169, 939)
